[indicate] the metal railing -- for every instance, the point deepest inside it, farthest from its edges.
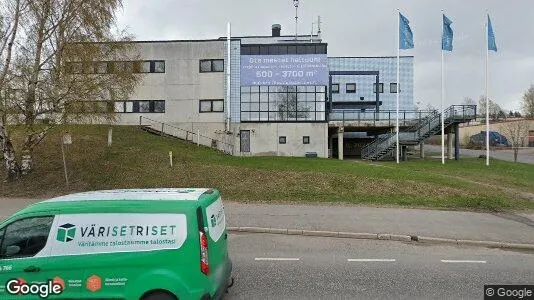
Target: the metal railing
(423, 129)
(406, 117)
(186, 135)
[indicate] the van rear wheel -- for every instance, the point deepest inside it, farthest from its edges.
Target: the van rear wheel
(159, 295)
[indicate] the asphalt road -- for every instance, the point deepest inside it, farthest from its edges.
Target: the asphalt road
(525, 155)
(291, 267)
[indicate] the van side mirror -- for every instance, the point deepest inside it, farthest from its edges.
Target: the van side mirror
(12, 250)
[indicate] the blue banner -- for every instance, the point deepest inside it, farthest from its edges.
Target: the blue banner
(305, 69)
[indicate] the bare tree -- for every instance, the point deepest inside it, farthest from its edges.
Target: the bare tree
(468, 101)
(61, 64)
(528, 103)
(516, 132)
(495, 110)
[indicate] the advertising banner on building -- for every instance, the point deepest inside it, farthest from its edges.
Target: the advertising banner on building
(304, 69)
(106, 233)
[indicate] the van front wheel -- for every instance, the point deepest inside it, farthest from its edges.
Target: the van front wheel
(159, 295)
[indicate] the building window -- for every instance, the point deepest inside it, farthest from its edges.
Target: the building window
(305, 140)
(335, 88)
(380, 88)
(27, 237)
(159, 66)
(139, 106)
(283, 104)
(211, 65)
(211, 106)
(283, 49)
(351, 88)
(282, 140)
(110, 67)
(393, 88)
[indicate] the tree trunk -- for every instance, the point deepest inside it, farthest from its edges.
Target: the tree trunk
(12, 167)
(516, 150)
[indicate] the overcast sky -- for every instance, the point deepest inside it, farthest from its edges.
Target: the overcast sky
(368, 28)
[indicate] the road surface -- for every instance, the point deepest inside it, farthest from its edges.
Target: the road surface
(525, 155)
(290, 267)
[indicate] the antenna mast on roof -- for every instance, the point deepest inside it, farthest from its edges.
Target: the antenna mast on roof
(296, 4)
(319, 27)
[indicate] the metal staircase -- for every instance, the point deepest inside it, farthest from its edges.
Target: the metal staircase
(422, 130)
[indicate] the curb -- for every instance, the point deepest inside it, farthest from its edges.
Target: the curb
(384, 237)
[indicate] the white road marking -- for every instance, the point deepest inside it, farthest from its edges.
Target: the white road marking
(463, 261)
(275, 259)
(371, 260)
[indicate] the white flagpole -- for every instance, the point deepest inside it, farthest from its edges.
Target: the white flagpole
(442, 99)
(398, 84)
(487, 93)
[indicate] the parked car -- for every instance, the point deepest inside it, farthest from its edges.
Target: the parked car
(158, 244)
(496, 139)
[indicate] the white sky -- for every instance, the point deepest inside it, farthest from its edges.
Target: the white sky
(368, 28)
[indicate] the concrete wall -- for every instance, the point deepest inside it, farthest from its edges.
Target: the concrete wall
(264, 138)
(182, 85)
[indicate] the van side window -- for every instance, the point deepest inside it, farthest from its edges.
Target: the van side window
(26, 237)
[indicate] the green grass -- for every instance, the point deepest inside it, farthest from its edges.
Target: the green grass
(139, 160)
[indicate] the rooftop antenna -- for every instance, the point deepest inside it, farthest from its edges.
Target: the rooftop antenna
(296, 4)
(319, 27)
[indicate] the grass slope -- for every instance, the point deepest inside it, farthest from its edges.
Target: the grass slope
(140, 160)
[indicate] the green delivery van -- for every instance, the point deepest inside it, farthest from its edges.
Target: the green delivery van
(147, 244)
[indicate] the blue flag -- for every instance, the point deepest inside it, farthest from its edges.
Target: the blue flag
(405, 33)
(447, 36)
(491, 37)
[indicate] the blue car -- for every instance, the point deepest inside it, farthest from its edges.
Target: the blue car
(496, 139)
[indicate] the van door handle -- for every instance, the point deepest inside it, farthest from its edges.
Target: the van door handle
(226, 236)
(32, 269)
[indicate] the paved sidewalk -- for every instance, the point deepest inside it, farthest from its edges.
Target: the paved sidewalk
(432, 223)
(510, 228)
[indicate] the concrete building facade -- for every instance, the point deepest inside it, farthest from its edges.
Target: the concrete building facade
(184, 92)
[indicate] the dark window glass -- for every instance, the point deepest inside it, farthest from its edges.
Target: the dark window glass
(254, 50)
(335, 88)
(264, 49)
(205, 66)
(144, 106)
(305, 140)
(25, 237)
(393, 88)
(245, 50)
(282, 50)
(159, 66)
(136, 106)
(217, 65)
(159, 106)
(320, 49)
(351, 88)
(211, 106)
(310, 49)
(273, 50)
(380, 88)
(301, 49)
(282, 140)
(292, 49)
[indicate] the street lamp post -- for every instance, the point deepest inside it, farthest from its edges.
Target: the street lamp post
(296, 4)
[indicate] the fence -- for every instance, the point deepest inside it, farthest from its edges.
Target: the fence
(187, 135)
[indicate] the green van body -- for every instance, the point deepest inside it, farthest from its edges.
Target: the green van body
(120, 244)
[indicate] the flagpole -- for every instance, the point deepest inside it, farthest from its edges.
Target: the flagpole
(487, 93)
(398, 85)
(442, 98)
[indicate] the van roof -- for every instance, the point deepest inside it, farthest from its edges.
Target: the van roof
(134, 194)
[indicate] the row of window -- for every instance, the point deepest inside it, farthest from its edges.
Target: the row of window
(283, 140)
(350, 88)
(283, 49)
(283, 103)
(109, 67)
(211, 65)
(205, 106)
(140, 106)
